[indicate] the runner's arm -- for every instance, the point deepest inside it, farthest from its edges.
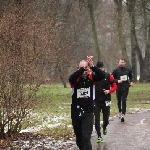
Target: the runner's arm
(113, 84)
(73, 78)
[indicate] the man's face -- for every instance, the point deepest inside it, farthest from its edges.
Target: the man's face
(121, 63)
(84, 64)
(102, 68)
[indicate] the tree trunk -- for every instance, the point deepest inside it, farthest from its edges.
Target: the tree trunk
(2, 132)
(134, 45)
(91, 11)
(135, 49)
(147, 57)
(146, 33)
(120, 31)
(61, 76)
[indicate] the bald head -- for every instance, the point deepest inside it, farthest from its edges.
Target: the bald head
(83, 64)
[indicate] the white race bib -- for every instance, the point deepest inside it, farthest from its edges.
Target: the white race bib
(123, 78)
(83, 93)
(108, 103)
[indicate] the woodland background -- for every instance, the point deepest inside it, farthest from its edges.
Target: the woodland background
(50, 37)
(42, 41)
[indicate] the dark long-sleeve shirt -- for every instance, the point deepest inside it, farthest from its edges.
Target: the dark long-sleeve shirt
(125, 74)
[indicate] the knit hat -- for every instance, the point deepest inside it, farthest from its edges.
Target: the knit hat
(99, 64)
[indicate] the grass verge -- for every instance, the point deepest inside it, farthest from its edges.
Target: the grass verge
(52, 111)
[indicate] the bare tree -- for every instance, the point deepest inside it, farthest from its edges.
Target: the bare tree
(134, 42)
(17, 72)
(145, 10)
(143, 59)
(90, 4)
(120, 29)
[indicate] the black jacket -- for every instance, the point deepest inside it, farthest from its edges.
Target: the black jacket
(108, 84)
(83, 90)
(123, 73)
(104, 84)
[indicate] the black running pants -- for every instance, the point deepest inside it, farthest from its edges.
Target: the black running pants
(121, 94)
(83, 127)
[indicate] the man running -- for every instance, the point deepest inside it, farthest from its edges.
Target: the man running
(124, 79)
(83, 94)
(103, 90)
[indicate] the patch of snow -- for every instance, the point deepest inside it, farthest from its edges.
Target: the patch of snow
(135, 110)
(45, 143)
(45, 120)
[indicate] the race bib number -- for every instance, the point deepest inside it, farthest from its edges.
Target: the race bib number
(108, 103)
(83, 93)
(123, 78)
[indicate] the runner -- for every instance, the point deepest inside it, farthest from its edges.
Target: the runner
(83, 94)
(124, 79)
(103, 90)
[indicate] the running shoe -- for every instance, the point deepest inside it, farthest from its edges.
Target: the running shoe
(122, 119)
(99, 140)
(104, 131)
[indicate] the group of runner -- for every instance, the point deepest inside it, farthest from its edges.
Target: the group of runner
(91, 94)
